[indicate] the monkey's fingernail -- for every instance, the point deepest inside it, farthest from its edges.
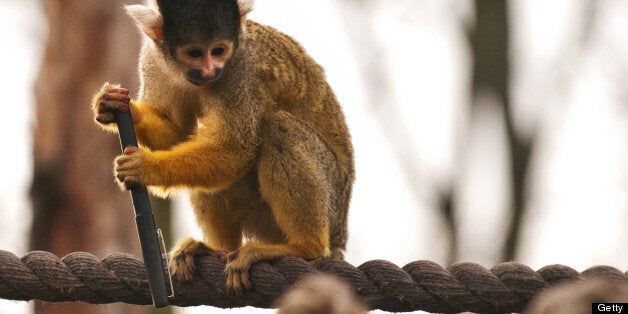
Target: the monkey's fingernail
(130, 150)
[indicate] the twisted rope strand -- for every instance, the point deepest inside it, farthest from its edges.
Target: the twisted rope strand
(420, 285)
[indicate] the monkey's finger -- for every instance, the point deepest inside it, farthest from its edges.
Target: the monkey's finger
(122, 90)
(121, 177)
(127, 172)
(127, 183)
(115, 88)
(122, 185)
(111, 105)
(131, 159)
(106, 118)
(120, 161)
(116, 95)
(126, 167)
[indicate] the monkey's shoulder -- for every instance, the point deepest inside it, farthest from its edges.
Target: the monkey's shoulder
(274, 45)
(283, 64)
(269, 39)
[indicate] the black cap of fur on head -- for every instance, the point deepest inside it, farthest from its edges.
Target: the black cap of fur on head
(188, 21)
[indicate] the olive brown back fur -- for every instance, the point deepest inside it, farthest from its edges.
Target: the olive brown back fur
(240, 116)
(289, 76)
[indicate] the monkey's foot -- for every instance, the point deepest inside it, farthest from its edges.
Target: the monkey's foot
(182, 264)
(237, 272)
(239, 263)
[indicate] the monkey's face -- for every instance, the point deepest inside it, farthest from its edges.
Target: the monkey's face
(200, 35)
(203, 63)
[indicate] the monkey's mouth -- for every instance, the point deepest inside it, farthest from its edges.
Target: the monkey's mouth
(195, 77)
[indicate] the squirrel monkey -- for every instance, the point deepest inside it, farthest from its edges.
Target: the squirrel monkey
(240, 116)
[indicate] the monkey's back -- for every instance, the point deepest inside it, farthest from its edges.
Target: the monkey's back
(297, 84)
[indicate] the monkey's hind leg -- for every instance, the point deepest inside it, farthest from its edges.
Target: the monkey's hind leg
(221, 234)
(295, 173)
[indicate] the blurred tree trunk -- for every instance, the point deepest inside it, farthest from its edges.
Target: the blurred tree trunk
(491, 75)
(76, 205)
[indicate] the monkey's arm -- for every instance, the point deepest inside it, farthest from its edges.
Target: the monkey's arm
(211, 159)
(153, 128)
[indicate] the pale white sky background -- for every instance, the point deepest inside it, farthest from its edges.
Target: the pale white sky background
(578, 200)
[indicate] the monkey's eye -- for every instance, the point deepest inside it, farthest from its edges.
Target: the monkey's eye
(195, 53)
(218, 51)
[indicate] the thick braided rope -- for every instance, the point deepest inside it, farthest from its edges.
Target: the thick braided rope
(420, 285)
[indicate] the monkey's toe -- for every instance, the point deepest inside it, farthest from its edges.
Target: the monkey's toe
(183, 267)
(237, 281)
(237, 277)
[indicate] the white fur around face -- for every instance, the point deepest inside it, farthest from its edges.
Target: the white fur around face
(245, 6)
(147, 19)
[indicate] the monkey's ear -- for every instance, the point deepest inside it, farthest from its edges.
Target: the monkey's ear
(245, 6)
(148, 20)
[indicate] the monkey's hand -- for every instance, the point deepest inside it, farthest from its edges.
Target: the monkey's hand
(129, 168)
(108, 100)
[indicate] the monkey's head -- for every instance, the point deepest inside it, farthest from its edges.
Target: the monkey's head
(197, 36)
